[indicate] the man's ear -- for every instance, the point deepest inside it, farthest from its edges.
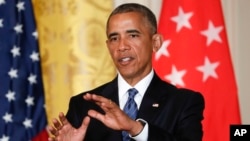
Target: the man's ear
(157, 42)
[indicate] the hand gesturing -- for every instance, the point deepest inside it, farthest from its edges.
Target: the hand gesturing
(64, 131)
(114, 117)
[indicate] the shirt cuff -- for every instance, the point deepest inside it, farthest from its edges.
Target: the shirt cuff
(143, 135)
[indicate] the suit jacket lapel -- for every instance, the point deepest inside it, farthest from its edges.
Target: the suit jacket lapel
(147, 111)
(111, 91)
(152, 100)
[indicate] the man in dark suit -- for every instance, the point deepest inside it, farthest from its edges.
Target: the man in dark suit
(161, 111)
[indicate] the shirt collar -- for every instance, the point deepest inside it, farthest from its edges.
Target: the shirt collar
(141, 86)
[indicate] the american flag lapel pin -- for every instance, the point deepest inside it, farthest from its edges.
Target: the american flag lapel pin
(155, 105)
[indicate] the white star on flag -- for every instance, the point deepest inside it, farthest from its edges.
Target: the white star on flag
(163, 50)
(35, 34)
(18, 28)
(15, 51)
(212, 33)
(27, 123)
(34, 56)
(13, 73)
(208, 69)
(20, 6)
(7, 118)
(5, 138)
(201, 56)
(182, 19)
(32, 79)
(1, 22)
(2, 2)
(175, 77)
(29, 101)
(10, 96)
(21, 86)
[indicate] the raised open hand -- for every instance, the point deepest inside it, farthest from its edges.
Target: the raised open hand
(64, 131)
(114, 117)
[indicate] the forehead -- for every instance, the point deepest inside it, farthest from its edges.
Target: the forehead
(126, 20)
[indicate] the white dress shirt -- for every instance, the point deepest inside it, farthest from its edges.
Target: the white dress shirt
(141, 87)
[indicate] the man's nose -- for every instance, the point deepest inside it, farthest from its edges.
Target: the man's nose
(123, 45)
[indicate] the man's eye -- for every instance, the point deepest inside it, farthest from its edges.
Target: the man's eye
(134, 35)
(113, 39)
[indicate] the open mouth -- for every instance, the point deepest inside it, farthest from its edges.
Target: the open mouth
(125, 60)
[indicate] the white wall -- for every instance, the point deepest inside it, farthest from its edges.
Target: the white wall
(237, 20)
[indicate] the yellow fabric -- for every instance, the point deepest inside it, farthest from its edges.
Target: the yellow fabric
(73, 50)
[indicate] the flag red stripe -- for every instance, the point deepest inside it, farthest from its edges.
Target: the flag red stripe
(42, 136)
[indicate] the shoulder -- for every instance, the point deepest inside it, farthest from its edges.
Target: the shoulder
(181, 99)
(100, 90)
(172, 91)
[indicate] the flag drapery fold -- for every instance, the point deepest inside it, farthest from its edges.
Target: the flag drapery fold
(22, 112)
(195, 55)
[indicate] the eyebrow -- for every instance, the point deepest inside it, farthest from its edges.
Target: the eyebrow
(112, 34)
(133, 31)
(128, 31)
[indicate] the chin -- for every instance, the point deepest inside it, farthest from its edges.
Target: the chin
(128, 74)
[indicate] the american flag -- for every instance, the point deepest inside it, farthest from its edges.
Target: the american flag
(22, 112)
(195, 54)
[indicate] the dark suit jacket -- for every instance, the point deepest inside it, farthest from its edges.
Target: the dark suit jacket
(178, 117)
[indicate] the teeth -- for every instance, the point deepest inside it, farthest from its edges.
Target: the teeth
(126, 59)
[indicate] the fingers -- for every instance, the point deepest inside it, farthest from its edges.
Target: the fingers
(63, 119)
(99, 100)
(85, 124)
(94, 97)
(86, 121)
(52, 130)
(62, 130)
(57, 125)
(96, 115)
(51, 139)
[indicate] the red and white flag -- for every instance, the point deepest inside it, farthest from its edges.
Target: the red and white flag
(195, 55)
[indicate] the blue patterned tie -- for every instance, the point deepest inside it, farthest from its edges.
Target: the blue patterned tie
(130, 109)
